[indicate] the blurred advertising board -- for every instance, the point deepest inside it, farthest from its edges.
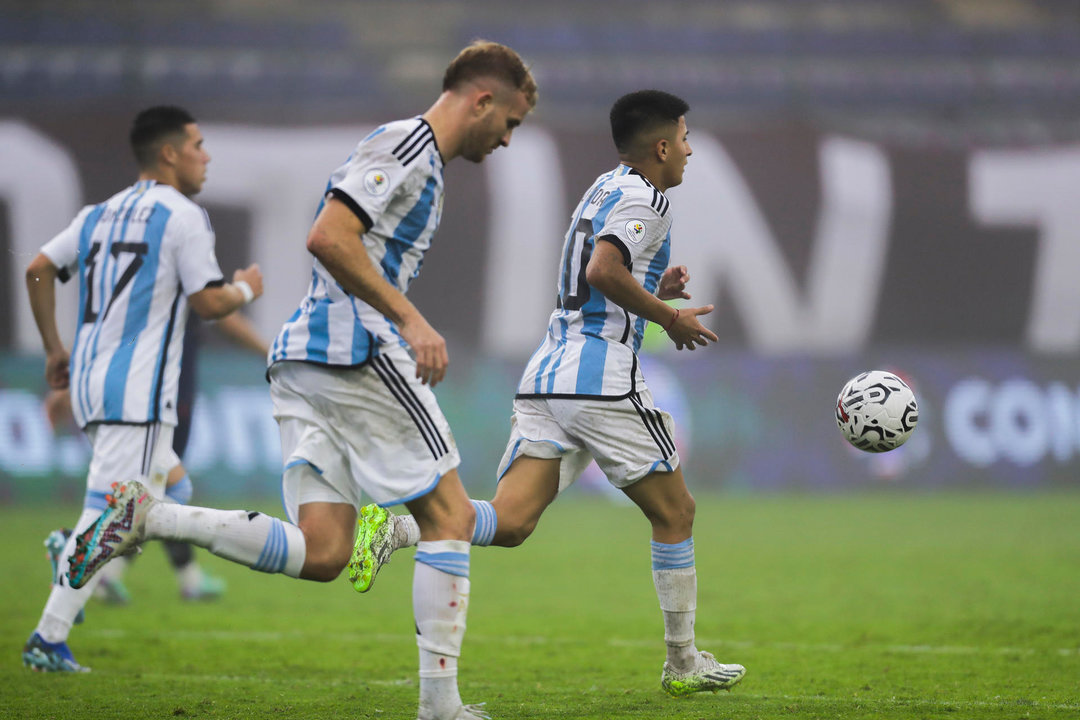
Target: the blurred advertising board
(989, 419)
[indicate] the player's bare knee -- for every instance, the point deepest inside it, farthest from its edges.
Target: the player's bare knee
(681, 517)
(689, 509)
(672, 517)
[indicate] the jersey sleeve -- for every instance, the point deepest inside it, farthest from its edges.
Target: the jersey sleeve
(196, 262)
(372, 178)
(634, 226)
(63, 249)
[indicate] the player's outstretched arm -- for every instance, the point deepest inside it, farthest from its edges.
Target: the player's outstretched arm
(238, 328)
(607, 273)
(216, 302)
(335, 239)
(41, 276)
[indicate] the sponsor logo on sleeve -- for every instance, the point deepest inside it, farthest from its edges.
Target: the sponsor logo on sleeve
(376, 182)
(635, 230)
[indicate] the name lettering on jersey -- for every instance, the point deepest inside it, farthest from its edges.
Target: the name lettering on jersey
(376, 181)
(599, 198)
(635, 230)
(129, 214)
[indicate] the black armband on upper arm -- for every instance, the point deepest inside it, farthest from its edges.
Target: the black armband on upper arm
(614, 240)
(352, 205)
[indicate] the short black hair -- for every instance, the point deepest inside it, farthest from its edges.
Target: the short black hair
(154, 125)
(643, 111)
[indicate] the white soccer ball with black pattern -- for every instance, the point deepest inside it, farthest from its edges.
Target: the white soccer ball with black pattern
(876, 411)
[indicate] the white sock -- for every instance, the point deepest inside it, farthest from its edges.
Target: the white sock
(486, 523)
(406, 531)
(65, 602)
(677, 591)
(676, 586)
(440, 604)
(259, 541)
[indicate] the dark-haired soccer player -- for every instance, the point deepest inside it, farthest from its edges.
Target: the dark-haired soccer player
(194, 582)
(142, 258)
(583, 396)
(350, 376)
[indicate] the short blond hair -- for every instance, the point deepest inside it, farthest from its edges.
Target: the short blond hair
(483, 58)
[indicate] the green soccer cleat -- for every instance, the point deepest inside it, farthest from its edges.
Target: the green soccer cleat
(118, 531)
(374, 545)
(707, 675)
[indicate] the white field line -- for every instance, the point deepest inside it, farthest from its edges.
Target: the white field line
(833, 701)
(273, 680)
(405, 637)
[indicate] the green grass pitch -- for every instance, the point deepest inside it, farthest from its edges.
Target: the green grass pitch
(877, 606)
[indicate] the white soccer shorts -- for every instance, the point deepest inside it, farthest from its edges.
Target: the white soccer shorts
(128, 452)
(628, 438)
(373, 430)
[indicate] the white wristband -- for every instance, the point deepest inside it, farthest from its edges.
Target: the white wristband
(245, 290)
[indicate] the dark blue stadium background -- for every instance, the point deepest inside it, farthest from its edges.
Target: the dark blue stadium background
(949, 96)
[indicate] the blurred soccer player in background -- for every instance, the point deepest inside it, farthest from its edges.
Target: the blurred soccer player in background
(583, 396)
(351, 375)
(142, 258)
(193, 581)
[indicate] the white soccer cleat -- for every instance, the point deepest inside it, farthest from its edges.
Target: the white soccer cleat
(707, 675)
(468, 712)
(118, 531)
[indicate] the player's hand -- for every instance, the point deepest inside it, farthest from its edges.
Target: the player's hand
(252, 276)
(673, 283)
(687, 331)
(56, 369)
(428, 348)
(58, 408)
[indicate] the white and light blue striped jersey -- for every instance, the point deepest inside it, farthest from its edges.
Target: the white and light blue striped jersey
(393, 181)
(138, 256)
(590, 349)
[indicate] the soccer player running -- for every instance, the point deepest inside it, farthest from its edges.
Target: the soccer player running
(195, 583)
(351, 375)
(583, 396)
(143, 257)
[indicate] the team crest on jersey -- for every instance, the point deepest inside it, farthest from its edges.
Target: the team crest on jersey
(635, 230)
(376, 182)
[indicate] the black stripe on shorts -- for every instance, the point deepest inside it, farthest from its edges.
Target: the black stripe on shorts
(399, 388)
(654, 423)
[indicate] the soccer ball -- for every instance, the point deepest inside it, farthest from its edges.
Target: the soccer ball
(876, 411)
